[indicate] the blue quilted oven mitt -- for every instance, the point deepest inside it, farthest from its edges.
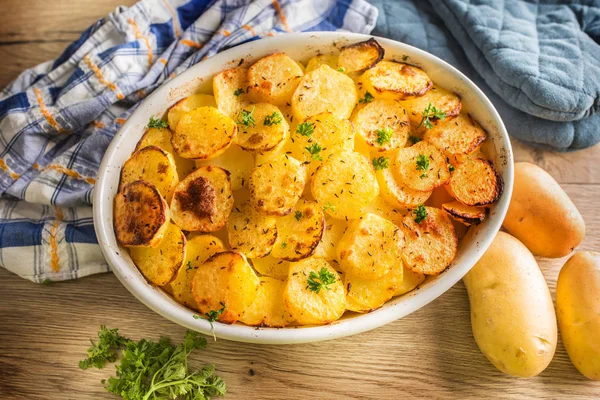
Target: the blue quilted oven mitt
(538, 61)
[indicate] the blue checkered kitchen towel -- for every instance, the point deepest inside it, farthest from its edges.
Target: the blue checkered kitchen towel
(57, 119)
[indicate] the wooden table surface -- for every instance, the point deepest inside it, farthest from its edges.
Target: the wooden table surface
(44, 330)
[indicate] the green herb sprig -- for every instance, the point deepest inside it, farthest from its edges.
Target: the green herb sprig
(322, 280)
(420, 214)
(157, 123)
(273, 119)
(383, 136)
(422, 164)
(315, 150)
(246, 118)
(429, 113)
(380, 163)
(305, 129)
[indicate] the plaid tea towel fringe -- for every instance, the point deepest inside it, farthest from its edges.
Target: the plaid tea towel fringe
(57, 119)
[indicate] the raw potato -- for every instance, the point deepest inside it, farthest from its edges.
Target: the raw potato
(466, 214)
(439, 98)
(161, 137)
(378, 120)
(271, 266)
(299, 232)
(160, 264)
(366, 295)
(258, 136)
(276, 186)
(250, 232)
(268, 309)
(317, 61)
(334, 229)
(396, 81)
(512, 315)
(370, 248)
(431, 244)
(203, 201)
(199, 249)
(236, 161)
(273, 79)
(578, 311)
(360, 56)
(153, 165)
(308, 307)
(141, 215)
(410, 280)
(421, 167)
(344, 185)
(397, 193)
(190, 103)
(541, 215)
(203, 133)
(475, 182)
(324, 90)
(230, 87)
(461, 135)
(225, 278)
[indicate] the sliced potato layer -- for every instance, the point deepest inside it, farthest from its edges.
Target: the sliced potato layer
(365, 295)
(276, 185)
(344, 185)
(396, 81)
(324, 90)
(410, 280)
(271, 266)
(397, 193)
(160, 264)
(273, 79)
(322, 59)
(312, 307)
(447, 102)
(153, 165)
(360, 56)
(382, 124)
(261, 127)
(188, 104)
(230, 88)
(461, 135)
(203, 201)
(141, 215)
(251, 232)
(334, 229)
(203, 133)
(235, 160)
(161, 137)
(431, 244)
(421, 167)
(476, 183)
(466, 214)
(267, 309)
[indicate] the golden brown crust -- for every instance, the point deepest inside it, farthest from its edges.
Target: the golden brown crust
(476, 183)
(465, 214)
(360, 56)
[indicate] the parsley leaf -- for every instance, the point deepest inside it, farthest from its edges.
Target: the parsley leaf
(298, 215)
(273, 119)
(451, 167)
(238, 91)
(305, 129)
(380, 163)
(157, 123)
(431, 112)
(212, 316)
(404, 58)
(283, 245)
(367, 99)
(422, 164)
(320, 281)
(329, 206)
(414, 139)
(245, 118)
(105, 350)
(341, 69)
(420, 214)
(314, 150)
(383, 136)
(189, 266)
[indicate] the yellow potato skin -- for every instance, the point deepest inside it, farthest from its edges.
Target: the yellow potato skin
(512, 315)
(578, 311)
(541, 215)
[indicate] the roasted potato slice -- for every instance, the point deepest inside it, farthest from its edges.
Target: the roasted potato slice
(271, 266)
(203, 201)
(153, 165)
(199, 249)
(203, 133)
(251, 232)
(267, 309)
(322, 59)
(396, 81)
(397, 193)
(410, 280)
(382, 124)
(370, 248)
(334, 229)
(235, 160)
(299, 232)
(431, 243)
(188, 104)
(365, 295)
(314, 304)
(382, 208)
(421, 167)
(466, 214)
(324, 90)
(161, 137)
(344, 185)
(230, 88)
(141, 215)
(475, 182)
(276, 186)
(225, 282)
(461, 135)
(447, 102)
(273, 79)
(360, 56)
(261, 127)
(160, 264)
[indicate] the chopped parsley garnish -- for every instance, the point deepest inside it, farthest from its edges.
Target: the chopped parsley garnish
(306, 129)
(422, 164)
(189, 266)
(298, 215)
(341, 69)
(238, 92)
(367, 99)
(157, 123)
(404, 58)
(314, 150)
(283, 245)
(380, 163)
(273, 119)
(420, 214)
(212, 316)
(431, 112)
(383, 136)
(329, 206)
(245, 118)
(451, 167)
(321, 281)
(414, 139)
